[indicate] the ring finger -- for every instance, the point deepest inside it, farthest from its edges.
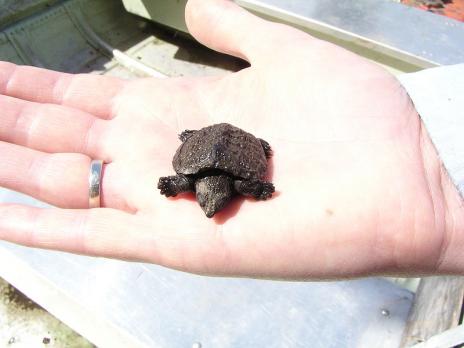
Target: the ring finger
(60, 179)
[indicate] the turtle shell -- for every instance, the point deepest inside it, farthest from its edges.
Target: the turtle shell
(221, 147)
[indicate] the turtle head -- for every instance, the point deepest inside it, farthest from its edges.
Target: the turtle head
(213, 193)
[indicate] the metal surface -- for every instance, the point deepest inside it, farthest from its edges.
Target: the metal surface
(122, 304)
(389, 29)
(14, 10)
(63, 37)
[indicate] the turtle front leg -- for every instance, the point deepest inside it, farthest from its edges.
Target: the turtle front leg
(261, 190)
(186, 134)
(170, 186)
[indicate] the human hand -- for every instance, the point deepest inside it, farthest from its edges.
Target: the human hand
(360, 189)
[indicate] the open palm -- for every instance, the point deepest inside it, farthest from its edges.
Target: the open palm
(353, 193)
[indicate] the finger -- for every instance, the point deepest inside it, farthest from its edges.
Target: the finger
(51, 128)
(59, 179)
(91, 93)
(225, 27)
(112, 233)
(88, 231)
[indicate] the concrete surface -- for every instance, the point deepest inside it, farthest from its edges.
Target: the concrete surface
(24, 324)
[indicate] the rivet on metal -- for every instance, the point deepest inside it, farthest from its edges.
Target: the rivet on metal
(385, 312)
(196, 345)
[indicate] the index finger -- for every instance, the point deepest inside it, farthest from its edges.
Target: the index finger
(91, 93)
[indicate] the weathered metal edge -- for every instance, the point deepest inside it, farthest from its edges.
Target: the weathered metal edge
(408, 34)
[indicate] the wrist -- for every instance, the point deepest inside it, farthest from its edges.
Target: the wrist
(448, 209)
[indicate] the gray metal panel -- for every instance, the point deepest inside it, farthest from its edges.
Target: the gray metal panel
(14, 10)
(398, 31)
(150, 306)
(7, 50)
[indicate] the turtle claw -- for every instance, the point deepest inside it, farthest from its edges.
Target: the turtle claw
(186, 134)
(255, 188)
(170, 186)
(167, 186)
(267, 190)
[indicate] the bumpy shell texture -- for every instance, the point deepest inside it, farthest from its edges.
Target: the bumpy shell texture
(221, 147)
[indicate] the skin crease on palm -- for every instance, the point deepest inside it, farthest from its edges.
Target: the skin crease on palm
(360, 189)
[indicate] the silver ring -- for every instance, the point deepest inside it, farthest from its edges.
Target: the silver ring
(95, 176)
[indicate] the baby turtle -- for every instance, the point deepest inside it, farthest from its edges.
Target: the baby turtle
(217, 162)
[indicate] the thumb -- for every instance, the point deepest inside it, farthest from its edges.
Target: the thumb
(224, 26)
